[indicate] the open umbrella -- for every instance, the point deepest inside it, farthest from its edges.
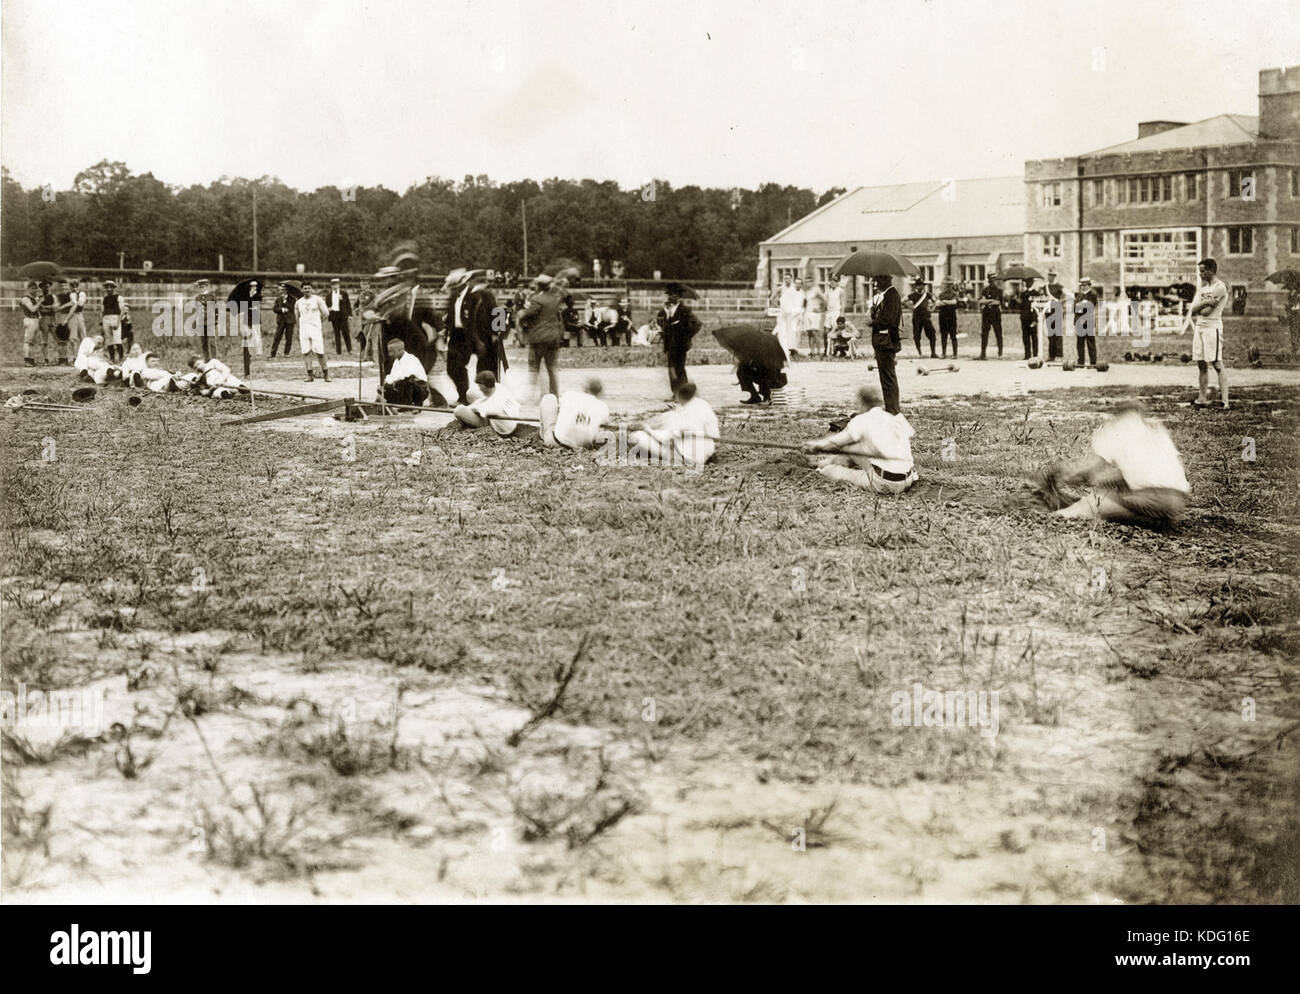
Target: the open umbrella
(241, 293)
(1019, 272)
(750, 344)
(1288, 278)
(682, 290)
(1183, 291)
(874, 264)
(40, 270)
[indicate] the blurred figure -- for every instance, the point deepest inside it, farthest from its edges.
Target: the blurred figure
(814, 317)
(834, 308)
(574, 420)
(495, 407)
(788, 299)
(542, 330)
(685, 434)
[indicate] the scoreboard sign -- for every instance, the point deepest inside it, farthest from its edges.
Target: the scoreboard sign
(1159, 257)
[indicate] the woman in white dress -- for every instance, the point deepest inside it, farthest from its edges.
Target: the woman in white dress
(789, 316)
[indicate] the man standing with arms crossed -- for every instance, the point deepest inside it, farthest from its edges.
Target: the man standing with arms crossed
(1206, 316)
(991, 314)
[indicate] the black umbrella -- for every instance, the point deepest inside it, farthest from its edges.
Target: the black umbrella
(1019, 272)
(682, 290)
(241, 293)
(750, 344)
(40, 270)
(1288, 278)
(874, 264)
(1184, 291)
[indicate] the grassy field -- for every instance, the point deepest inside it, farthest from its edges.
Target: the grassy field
(433, 664)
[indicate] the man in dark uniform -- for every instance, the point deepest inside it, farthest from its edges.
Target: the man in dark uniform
(205, 313)
(49, 305)
(886, 317)
(285, 319)
(1085, 322)
(1055, 317)
(476, 326)
(947, 304)
(1029, 319)
(340, 308)
(922, 300)
(679, 325)
(991, 314)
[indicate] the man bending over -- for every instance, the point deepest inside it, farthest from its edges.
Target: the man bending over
(574, 419)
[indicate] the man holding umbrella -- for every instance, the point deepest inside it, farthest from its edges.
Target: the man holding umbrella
(886, 317)
(679, 325)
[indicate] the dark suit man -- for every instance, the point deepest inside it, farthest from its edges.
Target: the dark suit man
(991, 314)
(476, 326)
(340, 308)
(1085, 322)
(1055, 317)
(947, 305)
(410, 318)
(886, 317)
(1028, 319)
(679, 325)
(285, 320)
(922, 300)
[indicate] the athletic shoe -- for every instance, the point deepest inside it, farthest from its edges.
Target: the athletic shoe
(29, 362)
(327, 376)
(310, 378)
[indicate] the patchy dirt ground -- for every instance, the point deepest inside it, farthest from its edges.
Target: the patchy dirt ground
(331, 671)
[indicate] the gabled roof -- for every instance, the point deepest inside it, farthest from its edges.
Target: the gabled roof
(973, 207)
(1226, 129)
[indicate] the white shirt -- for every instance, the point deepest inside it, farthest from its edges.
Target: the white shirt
(134, 364)
(86, 358)
(217, 374)
(670, 310)
(405, 367)
(310, 311)
(889, 434)
(460, 302)
(335, 298)
(834, 302)
(1142, 451)
(792, 300)
(579, 419)
(499, 403)
(686, 423)
(1213, 293)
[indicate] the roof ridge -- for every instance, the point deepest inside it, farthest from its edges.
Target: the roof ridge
(814, 212)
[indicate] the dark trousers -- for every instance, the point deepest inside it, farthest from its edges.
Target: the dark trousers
(948, 330)
(922, 323)
(676, 368)
(1086, 343)
(458, 353)
(990, 320)
(342, 336)
(885, 360)
(1029, 335)
(287, 330)
(407, 391)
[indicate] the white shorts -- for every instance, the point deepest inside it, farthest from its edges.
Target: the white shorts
(1207, 344)
(311, 340)
(112, 329)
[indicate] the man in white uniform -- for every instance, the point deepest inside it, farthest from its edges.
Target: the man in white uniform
(496, 407)
(685, 434)
(574, 419)
(91, 363)
(1134, 471)
(1206, 313)
(312, 312)
(874, 451)
(216, 375)
(834, 308)
(789, 315)
(814, 317)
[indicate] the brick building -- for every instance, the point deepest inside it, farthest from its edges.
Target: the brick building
(1141, 213)
(960, 228)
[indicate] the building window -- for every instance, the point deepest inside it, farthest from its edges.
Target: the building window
(1191, 186)
(783, 271)
(927, 274)
(1295, 182)
(1295, 239)
(1241, 241)
(1098, 192)
(1051, 194)
(1099, 245)
(1051, 247)
(972, 273)
(824, 276)
(1241, 184)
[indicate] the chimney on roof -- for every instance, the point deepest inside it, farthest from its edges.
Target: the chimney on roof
(1148, 128)
(1279, 103)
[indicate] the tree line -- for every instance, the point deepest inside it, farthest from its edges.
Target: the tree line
(111, 214)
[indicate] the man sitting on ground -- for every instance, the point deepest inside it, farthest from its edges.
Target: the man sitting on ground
(1134, 471)
(217, 377)
(685, 434)
(874, 451)
(407, 382)
(575, 419)
(495, 407)
(844, 338)
(91, 363)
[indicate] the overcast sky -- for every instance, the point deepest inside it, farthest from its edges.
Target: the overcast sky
(815, 93)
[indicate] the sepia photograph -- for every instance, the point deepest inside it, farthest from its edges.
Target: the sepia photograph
(658, 453)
